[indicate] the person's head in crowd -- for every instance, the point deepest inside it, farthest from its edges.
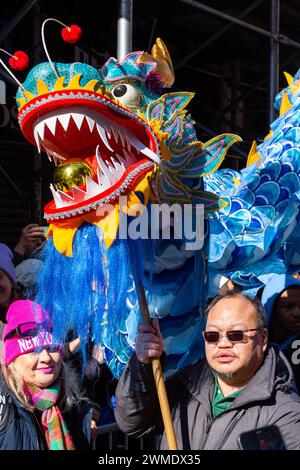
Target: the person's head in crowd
(34, 372)
(28, 345)
(7, 276)
(27, 276)
(281, 300)
(242, 383)
(31, 358)
(235, 337)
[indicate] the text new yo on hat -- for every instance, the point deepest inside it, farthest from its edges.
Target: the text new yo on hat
(20, 312)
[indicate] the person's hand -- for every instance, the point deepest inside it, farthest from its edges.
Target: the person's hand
(94, 423)
(32, 236)
(149, 342)
(74, 345)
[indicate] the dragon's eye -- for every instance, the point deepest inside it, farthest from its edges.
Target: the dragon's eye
(126, 94)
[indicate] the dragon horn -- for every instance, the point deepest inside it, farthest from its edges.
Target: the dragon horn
(164, 68)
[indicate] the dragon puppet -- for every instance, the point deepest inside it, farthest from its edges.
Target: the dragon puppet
(121, 141)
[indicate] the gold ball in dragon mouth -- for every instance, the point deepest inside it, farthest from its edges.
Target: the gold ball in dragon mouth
(71, 174)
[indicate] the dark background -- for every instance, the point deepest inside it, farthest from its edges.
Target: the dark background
(230, 76)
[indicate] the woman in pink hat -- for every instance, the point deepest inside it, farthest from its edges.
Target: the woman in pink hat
(40, 402)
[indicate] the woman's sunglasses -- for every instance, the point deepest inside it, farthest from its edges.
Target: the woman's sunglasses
(234, 336)
(30, 329)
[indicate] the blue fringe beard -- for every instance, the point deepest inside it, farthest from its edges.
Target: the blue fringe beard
(91, 294)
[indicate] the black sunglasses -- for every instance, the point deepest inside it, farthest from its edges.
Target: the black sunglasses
(234, 336)
(29, 329)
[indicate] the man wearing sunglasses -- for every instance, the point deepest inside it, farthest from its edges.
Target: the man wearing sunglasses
(243, 383)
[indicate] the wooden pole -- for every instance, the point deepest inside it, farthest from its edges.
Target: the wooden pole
(157, 371)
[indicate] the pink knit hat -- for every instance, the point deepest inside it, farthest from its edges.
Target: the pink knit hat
(26, 312)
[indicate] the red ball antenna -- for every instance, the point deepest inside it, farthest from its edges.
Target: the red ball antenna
(18, 61)
(70, 34)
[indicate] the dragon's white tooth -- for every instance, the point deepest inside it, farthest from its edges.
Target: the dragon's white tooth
(51, 124)
(57, 158)
(122, 161)
(143, 149)
(56, 197)
(130, 159)
(92, 188)
(64, 119)
(78, 194)
(127, 143)
(103, 181)
(40, 128)
(99, 158)
(102, 134)
(148, 153)
(90, 122)
(119, 171)
(122, 136)
(120, 174)
(37, 140)
(60, 157)
(103, 166)
(113, 174)
(78, 118)
(114, 162)
(115, 132)
(49, 156)
(119, 168)
(65, 197)
(108, 129)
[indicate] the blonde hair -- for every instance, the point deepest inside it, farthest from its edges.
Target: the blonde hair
(71, 392)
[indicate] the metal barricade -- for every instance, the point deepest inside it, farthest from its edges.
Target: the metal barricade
(111, 430)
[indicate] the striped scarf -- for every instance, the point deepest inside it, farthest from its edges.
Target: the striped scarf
(56, 432)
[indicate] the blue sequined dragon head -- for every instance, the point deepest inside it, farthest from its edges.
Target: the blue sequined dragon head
(113, 131)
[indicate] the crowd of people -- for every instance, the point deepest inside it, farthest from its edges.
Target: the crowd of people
(248, 379)
(243, 383)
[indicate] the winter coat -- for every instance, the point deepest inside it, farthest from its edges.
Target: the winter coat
(21, 429)
(269, 398)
